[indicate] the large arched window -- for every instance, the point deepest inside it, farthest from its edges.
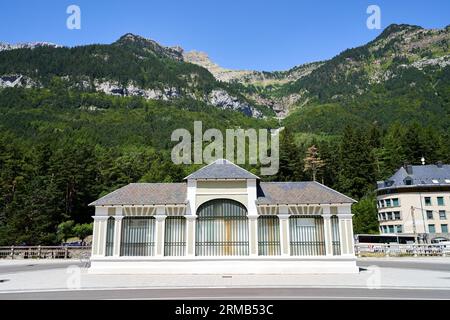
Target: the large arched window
(222, 229)
(306, 236)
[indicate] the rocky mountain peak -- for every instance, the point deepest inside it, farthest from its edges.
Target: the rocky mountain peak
(397, 29)
(140, 43)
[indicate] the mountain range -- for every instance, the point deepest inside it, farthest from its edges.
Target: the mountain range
(402, 75)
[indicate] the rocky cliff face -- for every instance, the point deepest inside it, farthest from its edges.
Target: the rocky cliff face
(136, 66)
(249, 77)
(131, 66)
(221, 74)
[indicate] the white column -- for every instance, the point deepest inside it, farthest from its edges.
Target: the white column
(283, 215)
(190, 235)
(326, 215)
(159, 235)
(252, 216)
(160, 218)
(117, 234)
(99, 236)
(191, 196)
(346, 230)
(253, 234)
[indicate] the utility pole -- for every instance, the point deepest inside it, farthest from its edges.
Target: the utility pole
(414, 224)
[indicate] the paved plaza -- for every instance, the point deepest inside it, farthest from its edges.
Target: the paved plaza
(380, 278)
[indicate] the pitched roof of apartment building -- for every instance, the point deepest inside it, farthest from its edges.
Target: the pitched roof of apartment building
(420, 175)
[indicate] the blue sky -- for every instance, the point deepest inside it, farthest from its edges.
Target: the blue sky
(243, 34)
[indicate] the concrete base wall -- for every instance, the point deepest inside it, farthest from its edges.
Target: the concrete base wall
(225, 265)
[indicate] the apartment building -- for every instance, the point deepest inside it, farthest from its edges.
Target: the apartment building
(416, 201)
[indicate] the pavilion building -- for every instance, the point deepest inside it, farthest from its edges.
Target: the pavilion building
(223, 220)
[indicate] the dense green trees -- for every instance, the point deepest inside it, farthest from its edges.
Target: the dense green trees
(60, 152)
(357, 173)
(291, 160)
(365, 216)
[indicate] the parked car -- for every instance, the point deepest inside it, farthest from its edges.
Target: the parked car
(73, 244)
(445, 245)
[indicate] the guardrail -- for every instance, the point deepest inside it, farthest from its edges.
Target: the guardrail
(401, 250)
(361, 250)
(45, 252)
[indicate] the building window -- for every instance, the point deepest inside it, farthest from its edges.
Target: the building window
(110, 237)
(397, 215)
(388, 202)
(444, 228)
(175, 236)
(442, 215)
(429, 215)
(336, 239)
(222, 229)
(306, 236)
(138, 236)
(399, 228)
(383, 216)
(269, 236)
(391, 229)
(382, 203)
(395, 202)
(440, 201)
(431, 228)
(389, 215)
(427, 201)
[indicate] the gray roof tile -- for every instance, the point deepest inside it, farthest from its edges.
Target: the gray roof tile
(145, 194)
(222, 169)
(299, 193)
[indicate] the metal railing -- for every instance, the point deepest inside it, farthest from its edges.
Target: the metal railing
(45, 252)
(361, 250)
(401, 250)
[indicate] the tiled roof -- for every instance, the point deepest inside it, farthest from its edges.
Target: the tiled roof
(145, 194)
(426, 175)
(298, 193)
(222, 169)
(267, 192)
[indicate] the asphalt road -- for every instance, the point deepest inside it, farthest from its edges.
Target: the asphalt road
(235, 294)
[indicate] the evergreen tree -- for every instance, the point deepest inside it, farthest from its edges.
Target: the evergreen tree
(357, 173)
(365, 219)
(290, 158)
